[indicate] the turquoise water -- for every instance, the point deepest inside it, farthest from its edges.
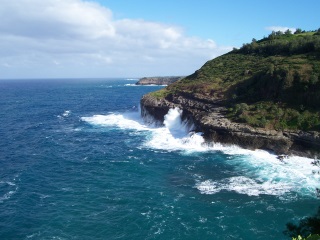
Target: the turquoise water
(78, 162)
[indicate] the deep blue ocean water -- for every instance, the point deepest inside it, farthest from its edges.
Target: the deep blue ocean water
(78, 162)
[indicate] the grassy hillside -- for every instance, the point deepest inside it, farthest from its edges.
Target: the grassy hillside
(272, 83)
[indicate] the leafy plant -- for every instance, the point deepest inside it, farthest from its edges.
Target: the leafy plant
(307, 226)
(310, 237)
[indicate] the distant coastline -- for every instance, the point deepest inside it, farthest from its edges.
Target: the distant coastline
(158, 80)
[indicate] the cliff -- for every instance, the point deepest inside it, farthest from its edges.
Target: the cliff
(157, 80)
(265, 95)
(211, 120)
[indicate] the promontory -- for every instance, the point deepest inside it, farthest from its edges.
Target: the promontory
(158, 80)
(264, 95)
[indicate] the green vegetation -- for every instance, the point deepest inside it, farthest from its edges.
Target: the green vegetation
(310, 237)
(272, 83)
(284, 43)
(275, 116)
(307, 226)
(162, 93)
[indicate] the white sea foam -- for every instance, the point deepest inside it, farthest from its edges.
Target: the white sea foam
(10, 183)
(10, 188)
(123, 121)
(65, 114)
(144, 85)
(261, 171)
(244, 185)
(163, 140)
(176, 135)
(8, 195)
(173, 123)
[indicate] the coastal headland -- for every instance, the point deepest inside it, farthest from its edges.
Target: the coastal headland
(158, 80)
(265, 95)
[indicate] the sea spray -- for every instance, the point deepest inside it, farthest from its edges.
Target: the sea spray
(173, 122)
(129, 120)
(176, 135)
(261, 171)
(103, 174)
(148, 119)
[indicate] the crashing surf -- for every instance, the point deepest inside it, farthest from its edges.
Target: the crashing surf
(264, 173)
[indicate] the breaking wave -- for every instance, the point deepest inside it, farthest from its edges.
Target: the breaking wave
(261, 171)
(122, 121)
(243, 185)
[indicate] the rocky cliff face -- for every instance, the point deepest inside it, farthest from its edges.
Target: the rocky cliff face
(210, 118)
(157, 80)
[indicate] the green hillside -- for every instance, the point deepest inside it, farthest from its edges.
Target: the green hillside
(272, 83)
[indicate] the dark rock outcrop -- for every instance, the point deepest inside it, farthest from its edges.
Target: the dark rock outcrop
(157, 80)
(210, 118)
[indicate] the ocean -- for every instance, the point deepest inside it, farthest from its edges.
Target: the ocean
(78, 162)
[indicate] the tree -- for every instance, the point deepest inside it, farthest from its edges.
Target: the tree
(288, 32)
(279, 33)
(272, 35)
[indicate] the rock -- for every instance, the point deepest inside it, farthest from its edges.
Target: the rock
(157, 80)
(209, 118)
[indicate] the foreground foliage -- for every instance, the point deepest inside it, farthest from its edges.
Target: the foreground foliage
(310, 237)
(307, 226)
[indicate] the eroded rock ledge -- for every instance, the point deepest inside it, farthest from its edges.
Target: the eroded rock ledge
(209, 118)
(157, 80)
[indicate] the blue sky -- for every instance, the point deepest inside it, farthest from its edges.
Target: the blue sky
(124, 38)
(229, 22)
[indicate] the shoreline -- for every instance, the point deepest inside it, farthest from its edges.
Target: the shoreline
(210, 119)
(158, 80)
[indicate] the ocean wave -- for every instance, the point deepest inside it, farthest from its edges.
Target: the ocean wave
(264, 173)
(10, 189)
(244, 185)
(122, 121)
(65, 114)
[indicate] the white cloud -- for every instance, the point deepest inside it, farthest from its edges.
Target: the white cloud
(6, 65)
(82, 39)
(281, 29)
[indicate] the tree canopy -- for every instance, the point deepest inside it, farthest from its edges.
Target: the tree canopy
(284, 43)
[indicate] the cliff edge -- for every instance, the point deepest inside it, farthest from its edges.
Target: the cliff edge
(211, 120)
(265, 95)
(157, 80)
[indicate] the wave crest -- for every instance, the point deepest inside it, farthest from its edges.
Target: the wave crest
(263, 172)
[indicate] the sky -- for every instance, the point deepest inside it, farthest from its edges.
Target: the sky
(133, 39)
